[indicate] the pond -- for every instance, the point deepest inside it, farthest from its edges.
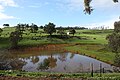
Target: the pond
(50, 61)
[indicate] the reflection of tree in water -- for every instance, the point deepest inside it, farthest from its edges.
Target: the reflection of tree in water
(80, 69)
(72, 55)
(63, 57)
(10, 61)
(47, 63)
(35, 59)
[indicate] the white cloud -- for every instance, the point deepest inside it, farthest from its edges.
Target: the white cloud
(3, 4)
(4, 16)
(108, 23)
(8, 3)
(78, 4)
(104, 4)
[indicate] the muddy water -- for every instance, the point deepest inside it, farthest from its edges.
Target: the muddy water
(50, 61)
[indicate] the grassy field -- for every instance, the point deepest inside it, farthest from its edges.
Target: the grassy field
(91, 43)
(18, 75)
(87, 42)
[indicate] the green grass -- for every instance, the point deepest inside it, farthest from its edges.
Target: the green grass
(93, 50)
(87, 45)
(93, 40)
(106, 76)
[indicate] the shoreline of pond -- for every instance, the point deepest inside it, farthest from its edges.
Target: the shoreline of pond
(58, 47)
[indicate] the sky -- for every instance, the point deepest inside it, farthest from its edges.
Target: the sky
(60, 12)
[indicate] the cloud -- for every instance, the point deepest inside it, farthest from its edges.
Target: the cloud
(8, 3)
(108, 23)
(104, 3)
(3, 4)
(4, 16)
(1, 8)
(78, 4)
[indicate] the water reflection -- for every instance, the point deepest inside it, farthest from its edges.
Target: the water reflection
(47, 63)
(8, 61)
(50, 62)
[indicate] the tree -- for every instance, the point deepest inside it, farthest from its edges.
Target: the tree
(6, 25)
(34, 28)
(41, 27)
(114, 42)
(20, 27)
(50, 28)
(15, 37)
(117, 26)
(1, 30)
(27, 26)
(72, 31)
(61, 31)
(88, 9)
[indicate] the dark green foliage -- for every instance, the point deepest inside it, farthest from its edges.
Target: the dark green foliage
(117, 26)
(114, 42)
(20, 27)
(41, 27)
(15, 37)
(61, 31)
(33, 28)
(6, 25)
(117, 59)
(72, 31)
(67, 28)
(1, 30)
(50, 28)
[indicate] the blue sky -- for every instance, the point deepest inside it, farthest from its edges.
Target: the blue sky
(60, 12)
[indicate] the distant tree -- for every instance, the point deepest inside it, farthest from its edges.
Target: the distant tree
(6, 25)
(41, 27)
(27, 26)
(72, 31)
(50, 28)
(34, 28)
(1, 30)
(61, 31)
(15, 37)
(20, 27)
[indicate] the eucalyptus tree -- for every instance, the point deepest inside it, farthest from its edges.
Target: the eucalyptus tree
(72, 31)
(33, 28)
(117, 26)
(15, 37)
(50, 28)
(114, 43)
(6, 25)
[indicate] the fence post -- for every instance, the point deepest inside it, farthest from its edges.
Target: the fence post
(100, 69)
(92, 70)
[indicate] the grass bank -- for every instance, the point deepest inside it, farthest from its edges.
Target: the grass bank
(96, 51)
(11, 75)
